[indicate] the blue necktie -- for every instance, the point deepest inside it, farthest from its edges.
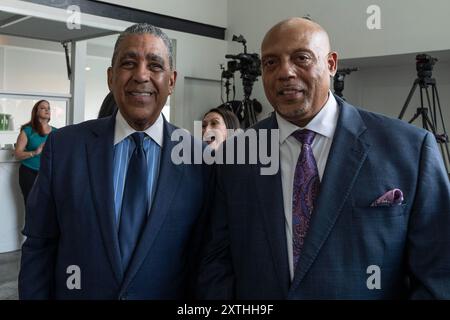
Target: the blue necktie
(305, 191)
(135, 201)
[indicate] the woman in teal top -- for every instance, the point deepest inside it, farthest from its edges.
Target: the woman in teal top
(30, 143)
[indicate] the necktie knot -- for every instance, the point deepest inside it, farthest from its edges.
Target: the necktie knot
(138, 138)
(305, 136)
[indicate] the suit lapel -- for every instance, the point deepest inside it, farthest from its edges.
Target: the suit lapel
(168, 180)
(347, 154)
(100, 164)
(269, 187)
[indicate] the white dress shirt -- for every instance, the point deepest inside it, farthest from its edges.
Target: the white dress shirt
(324, 125)
(123, 130)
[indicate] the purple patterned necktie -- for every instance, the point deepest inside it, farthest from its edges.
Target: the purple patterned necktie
(305, 191)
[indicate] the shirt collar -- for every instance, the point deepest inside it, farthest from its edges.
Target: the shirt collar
(122, 129)
(324, 123)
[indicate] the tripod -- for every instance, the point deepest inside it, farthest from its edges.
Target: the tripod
(429, 115)
(249, 110)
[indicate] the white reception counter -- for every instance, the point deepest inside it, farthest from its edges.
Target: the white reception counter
(12, 211)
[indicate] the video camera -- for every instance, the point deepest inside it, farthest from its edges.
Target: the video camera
(339, 77)
(424, 65)
(248, 64)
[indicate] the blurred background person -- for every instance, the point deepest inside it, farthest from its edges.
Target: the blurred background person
(215, 124)
(30, 143)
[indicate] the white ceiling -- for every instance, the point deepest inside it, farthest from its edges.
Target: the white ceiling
(44, 29)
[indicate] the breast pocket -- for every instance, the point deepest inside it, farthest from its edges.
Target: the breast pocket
(378, 235)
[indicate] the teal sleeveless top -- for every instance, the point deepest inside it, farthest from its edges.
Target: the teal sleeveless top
(34, 141)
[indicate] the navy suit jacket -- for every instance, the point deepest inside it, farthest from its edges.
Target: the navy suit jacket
(245, 256)
(70, 221)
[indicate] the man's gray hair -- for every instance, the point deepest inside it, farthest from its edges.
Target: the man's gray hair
(144, 28)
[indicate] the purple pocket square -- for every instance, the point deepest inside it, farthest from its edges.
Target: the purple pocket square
(391, 198)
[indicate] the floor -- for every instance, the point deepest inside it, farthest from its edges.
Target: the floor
(9, 270)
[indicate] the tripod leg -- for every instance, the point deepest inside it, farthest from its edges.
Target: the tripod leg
(247, 112)
(433, 119)
(430, 125)
(408, 99)
(425, 120)
(440, 111)
(251, 113)
(416, 115)
(433, 95)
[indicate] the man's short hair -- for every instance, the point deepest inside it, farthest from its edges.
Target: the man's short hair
(144, 28)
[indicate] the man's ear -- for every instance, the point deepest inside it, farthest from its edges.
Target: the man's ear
(332, 62)
(172, 80)
(109, 75)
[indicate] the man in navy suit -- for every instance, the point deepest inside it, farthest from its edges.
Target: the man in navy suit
(88, 236)
(360, 208)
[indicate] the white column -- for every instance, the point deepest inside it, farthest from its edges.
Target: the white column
(77, 82)
(2, 68)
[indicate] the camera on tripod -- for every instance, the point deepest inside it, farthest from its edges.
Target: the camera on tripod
(430, 107)
(249, 66)
(338, 84)
(424, 65)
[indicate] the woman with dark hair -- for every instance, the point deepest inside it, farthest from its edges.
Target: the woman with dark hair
(30, 143)
(215, 124)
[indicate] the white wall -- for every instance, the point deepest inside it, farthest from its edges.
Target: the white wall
(213, 12)
(197, 62)
(34, 70)
(407, 26)
(195, 108)
(96, 85)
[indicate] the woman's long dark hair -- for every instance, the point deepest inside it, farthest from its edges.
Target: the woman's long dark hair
(34, 122)
(229, 118)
